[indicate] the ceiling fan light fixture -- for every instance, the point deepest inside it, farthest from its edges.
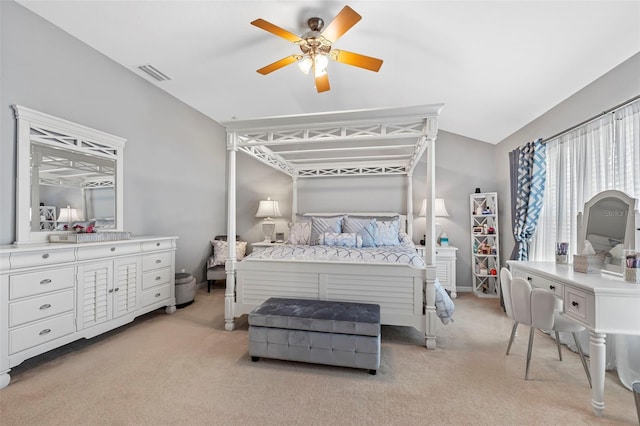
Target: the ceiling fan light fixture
(305, 64)
(320, 65)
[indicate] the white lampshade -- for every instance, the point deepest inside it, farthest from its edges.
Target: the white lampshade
(268, 208)
(440, 209)
(68, 215)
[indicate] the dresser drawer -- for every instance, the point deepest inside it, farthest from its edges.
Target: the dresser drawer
(41, 258)
(40, 332)
(157, 245)
(22, 285)
(156, 278)
(556, 287)
(99, 252)
(156, 260)
(155, 295)
(40, 307)
(576, 304)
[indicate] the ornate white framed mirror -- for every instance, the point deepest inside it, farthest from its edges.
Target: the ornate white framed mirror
(67, 174)
(610, 223)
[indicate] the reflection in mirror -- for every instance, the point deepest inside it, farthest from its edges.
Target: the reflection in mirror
(66, 173)
(609, 224)
(72, 187)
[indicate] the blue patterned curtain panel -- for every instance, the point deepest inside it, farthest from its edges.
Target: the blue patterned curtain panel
(531, 176)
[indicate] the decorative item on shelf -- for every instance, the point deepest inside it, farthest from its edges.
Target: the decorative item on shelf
(632, 266)
(562, 251)
(478, 191)
(279, 237)
(268, 209)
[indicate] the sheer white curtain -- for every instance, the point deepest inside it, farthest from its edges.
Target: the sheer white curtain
(603, 154)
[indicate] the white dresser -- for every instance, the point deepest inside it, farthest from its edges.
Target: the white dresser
(53, 294)
(445, 267)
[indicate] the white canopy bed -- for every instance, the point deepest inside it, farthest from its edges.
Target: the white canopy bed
(352, 143)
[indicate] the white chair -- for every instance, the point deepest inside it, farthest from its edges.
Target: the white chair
(505, 287)
(535, 308)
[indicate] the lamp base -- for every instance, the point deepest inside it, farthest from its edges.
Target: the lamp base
(267, 230)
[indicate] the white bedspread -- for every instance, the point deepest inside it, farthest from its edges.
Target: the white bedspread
(401, 254)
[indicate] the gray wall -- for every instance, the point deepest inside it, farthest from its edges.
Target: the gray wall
(617, 86)
(174, 167)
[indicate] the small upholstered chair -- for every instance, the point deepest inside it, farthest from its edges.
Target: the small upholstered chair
(215, 263)
(536, 308)
(505, 287)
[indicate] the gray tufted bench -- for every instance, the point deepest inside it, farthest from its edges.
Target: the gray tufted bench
(317, 331)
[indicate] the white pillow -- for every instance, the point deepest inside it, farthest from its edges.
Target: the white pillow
(220, 250)
(299, 233)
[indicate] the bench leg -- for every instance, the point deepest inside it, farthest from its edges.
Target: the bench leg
(255, 358)
(373, 372)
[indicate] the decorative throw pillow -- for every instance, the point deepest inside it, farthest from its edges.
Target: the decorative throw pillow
(405, 238)
(322, 224)
(387, 233)
(365, 227)
(220, 250)
(335, 239)
(299, 233)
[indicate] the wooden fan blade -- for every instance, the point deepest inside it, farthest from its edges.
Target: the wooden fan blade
(343, 21)
(356, 59)
(274, 29)
(322, 83)
(278, 64)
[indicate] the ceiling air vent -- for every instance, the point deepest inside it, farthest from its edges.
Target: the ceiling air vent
(154, 72)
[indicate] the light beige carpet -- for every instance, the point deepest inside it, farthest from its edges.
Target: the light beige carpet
(185, 369)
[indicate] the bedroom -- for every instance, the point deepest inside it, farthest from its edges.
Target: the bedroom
(170, 179)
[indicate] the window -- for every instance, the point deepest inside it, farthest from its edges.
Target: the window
(602, 154)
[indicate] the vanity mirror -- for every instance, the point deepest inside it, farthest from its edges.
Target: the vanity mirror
(67, 174)
(609, 222)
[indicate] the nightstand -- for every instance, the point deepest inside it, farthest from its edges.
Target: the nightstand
(445, 267)
(262, 245)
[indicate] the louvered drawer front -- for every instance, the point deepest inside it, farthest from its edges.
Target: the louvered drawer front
(442, 273)
(41, 258)
(41, 307)
(156, 278)
(156, 260)
(40, 332)
(99, 252)
(156, 245)
(31, 284)
(93, 307)
(155, 295)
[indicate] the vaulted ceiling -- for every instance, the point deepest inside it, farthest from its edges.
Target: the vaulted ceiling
(496, 65)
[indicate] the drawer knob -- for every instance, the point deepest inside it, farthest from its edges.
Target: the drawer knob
(529, 278)
(45, 256)
(157, 294)
(45, 281)
(575, 304)
(158, 278)
(116, 289)
(45, 331)
(158, 261)
(552, 287)
(113, 249)
(157, 244)
(45, 306)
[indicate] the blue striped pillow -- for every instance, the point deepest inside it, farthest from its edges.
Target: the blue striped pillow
(363, 226)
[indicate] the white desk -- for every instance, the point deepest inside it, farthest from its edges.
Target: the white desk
(603, 303)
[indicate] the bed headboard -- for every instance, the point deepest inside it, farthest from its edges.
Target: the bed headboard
(403, 217)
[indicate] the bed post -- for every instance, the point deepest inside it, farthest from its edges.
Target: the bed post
(294, 198)
(410, 205)
(230, 264)
(431, 319)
